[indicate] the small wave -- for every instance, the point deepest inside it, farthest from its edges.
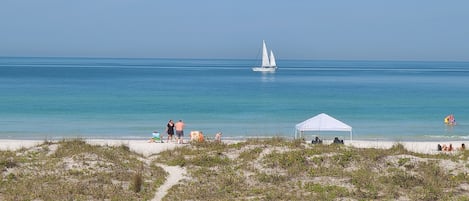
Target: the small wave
(448, 136)
(373, 69)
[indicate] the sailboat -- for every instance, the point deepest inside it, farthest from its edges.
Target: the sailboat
(268, 62)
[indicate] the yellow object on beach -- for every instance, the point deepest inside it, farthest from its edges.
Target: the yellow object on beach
(197, 136)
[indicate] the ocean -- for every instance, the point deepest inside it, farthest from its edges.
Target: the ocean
(53, 98)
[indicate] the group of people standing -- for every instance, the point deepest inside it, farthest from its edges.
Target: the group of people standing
(171, 127)
(179, 127)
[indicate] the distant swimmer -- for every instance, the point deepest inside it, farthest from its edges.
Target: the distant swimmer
(450, 120)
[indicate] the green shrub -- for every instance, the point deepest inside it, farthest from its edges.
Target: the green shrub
(137, 182)
(326, 192)
(250, 154)
(403, 161)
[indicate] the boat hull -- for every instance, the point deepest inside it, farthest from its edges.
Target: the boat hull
(264, 69)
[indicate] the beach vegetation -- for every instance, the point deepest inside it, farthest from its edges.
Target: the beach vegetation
(250, 154)
(326, 192)
(255, 169)
(137, 181)
(403, 161)
(75, 170)
(281, 169)
(398, 148)
(7, 160)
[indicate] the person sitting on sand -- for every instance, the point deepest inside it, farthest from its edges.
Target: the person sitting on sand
(463, 147)
(440, 148)
(156, 137)
(337, 141)
(447, 148)
(316, 140)
(444, 147)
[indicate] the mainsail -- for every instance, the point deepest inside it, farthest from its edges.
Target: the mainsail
(265, 57)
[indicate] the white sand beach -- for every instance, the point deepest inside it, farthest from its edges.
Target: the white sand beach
(139, 146)
(424, 147)
(147, 149)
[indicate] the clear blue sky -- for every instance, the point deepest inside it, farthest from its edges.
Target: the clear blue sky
(299, 29)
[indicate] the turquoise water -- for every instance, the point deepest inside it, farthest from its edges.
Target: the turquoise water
(129, 98)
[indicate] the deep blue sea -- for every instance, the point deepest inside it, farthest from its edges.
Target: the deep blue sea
(44, 98)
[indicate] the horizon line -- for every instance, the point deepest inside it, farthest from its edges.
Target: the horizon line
(203, 58)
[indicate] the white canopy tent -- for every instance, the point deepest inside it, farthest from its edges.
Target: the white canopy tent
(321, 122)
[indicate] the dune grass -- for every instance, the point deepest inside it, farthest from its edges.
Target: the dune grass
(75, 170)
(257, 169)
(279, 169)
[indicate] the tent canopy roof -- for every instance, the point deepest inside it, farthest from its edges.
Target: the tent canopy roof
(322, 122)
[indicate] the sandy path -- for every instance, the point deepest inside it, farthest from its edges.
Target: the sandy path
(176, 174)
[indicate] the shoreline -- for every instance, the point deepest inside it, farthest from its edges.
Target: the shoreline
(248, 137)
(142, 146)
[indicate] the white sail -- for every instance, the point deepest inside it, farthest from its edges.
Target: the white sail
(272, 59)
(268, 65)
(265, 57)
